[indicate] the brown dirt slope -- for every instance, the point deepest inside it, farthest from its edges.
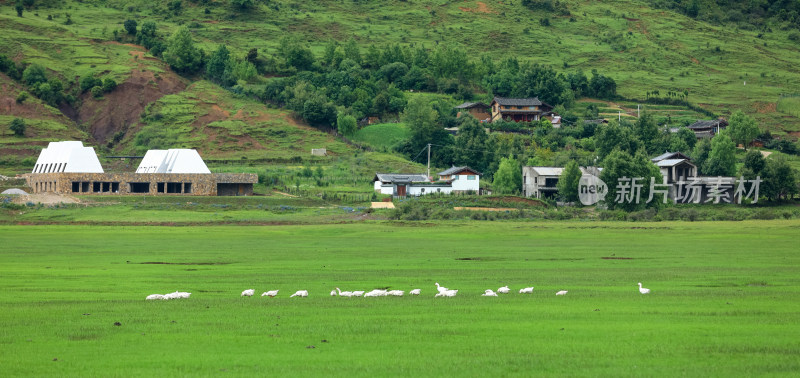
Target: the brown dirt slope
(122, 107)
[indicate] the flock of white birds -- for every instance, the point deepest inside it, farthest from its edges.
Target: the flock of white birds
(441, 292)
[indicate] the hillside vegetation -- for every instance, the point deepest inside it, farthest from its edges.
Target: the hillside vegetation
(297, 56)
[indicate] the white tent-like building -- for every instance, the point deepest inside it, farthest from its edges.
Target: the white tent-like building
(67, 157)
(172, 161)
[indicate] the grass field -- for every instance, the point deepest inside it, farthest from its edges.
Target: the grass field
(724, 300)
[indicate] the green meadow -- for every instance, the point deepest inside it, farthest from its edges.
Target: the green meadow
(724, 299)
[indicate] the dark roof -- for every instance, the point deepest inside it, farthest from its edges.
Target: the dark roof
(454, 170)
(709, 123)
(468, 105)
(518, 101)
(669, 155)
(400, 177)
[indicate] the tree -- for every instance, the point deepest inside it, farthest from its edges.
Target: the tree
(346, 124)
(34, 75)
(109, 85)
(568, 182)
(742, 128)
(218, 67)
(181, 54)
(754, 163)
(508, 178)
(471, 145)
(18, 127)
(421, 119)
(130, 26)
(688, 136)
(88, 82)
(722, 158)
(242, 4)
(778, 179)
(621, 165)
(700, 154)
(646, 129)
(318, 111)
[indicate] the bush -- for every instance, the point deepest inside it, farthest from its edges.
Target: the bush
(794, 36)
(130, 26)
(22, 96)
(109, 85)
(97, 91)
(89, 82)
(18, 127)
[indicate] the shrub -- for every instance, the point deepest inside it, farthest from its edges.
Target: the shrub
(22, 96)
(130, 26)
(18, 127)
(109, 85)
(97, 91)
(794, 36)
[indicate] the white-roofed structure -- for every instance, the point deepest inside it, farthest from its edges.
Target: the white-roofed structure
(172, 161)
(67, 157)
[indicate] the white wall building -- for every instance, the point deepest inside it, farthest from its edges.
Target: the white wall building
(172, 161)
(453, 180)
(462, 179)
(67, 157)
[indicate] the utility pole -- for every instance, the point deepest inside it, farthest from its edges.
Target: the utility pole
(429, 161)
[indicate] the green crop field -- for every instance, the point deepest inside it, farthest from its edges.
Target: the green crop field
(724, 300)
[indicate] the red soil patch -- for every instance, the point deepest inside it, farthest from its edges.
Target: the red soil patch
(481, 8)
(123, 106)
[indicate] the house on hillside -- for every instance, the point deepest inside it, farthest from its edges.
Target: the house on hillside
(708, 128)
(681, 175)
(478, 110)
(674, 166)
(542, 182)
(462, 179)
(453, 180)
(519, 109)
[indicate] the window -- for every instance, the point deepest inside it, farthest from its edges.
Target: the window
(76, 187)
(187, 187)
(106, 187)
(173, 187)
(96, 187)
(85, 187)
(160, 187)
(524, 179)
(115, 187)
(422, 190)
(140, 187)
(471, 177)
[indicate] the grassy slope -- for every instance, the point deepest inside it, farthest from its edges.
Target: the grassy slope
(716, 308)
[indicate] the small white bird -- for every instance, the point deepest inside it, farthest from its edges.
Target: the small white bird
(446, 293)
(270, 293)
(527, 290)
(333, 293)
(415, 292)
(300, 293)
(489, 293)
(358, 293)
(373, 293)
(154, 296)
(643, 290)
(503, 290)
(562, 292)
(395, 293)
(344, 293)
(248, 292)
(441, 288)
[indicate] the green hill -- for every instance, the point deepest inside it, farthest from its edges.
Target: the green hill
(718, 63)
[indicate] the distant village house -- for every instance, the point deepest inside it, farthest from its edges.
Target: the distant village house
(519, 109)
(453, 180)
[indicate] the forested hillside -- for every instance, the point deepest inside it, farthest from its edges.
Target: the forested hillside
(273, 78)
